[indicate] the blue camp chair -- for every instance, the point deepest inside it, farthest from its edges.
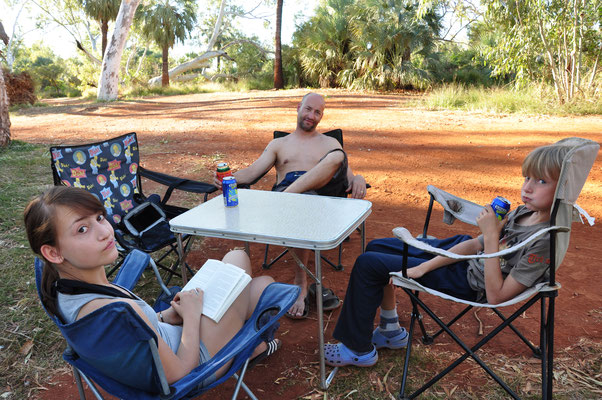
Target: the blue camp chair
(110, 170)
(115, 349)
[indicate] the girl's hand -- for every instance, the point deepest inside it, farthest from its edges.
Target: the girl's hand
(489, 223)
(188, 304)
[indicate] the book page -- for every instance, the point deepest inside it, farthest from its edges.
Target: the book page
(221, 284)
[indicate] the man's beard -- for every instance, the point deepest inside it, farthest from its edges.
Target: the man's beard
(306, 126)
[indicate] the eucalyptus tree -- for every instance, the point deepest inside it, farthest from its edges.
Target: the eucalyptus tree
(102, 11)
(4, 115)
(108, 85)
(165, 22)
(555, 40)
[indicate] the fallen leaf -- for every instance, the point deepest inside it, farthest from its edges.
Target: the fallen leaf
(26, 347)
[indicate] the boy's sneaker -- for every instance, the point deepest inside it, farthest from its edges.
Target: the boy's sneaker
(397, 340)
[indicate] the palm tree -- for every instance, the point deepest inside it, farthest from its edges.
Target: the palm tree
(278, 76)
(324, 42)
(385, 35)
(102, 11)
(164, 22)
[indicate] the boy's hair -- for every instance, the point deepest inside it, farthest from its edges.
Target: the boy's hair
(545, 162)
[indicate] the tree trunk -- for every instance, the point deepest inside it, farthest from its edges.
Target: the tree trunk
(278, 75)
(108, 87)
(165, 67)
(201, 61)
(104, 29)
(4, 117)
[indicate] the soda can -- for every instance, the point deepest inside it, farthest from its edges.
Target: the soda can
(223, 170)
(229, 191)
(500, 206)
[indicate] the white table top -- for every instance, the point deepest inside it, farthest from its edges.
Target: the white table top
(286, 219)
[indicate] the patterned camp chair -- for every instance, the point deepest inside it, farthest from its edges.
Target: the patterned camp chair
(111, 171)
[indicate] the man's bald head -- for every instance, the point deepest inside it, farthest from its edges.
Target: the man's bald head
(310, 111)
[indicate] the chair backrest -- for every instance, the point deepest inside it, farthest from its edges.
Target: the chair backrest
(573, 174)
(335, 133)
(112, 346)
(107, 169)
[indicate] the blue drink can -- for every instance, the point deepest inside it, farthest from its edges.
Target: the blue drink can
(500, 206)
(230, 192)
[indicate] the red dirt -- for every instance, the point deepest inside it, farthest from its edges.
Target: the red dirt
(398, 149)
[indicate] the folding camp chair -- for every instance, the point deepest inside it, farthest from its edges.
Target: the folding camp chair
(575, 169)
(338, 135)
(110, 169)
(116, 350)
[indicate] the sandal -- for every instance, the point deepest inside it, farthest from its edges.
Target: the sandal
(338, 355)
(330, 301)
(305, 311)
(398, 341)
(273, 346)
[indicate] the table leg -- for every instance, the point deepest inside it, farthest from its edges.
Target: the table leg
(182, 256)
(364, 237)
(318, 264)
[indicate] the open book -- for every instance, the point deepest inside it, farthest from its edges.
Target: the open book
(221, 284)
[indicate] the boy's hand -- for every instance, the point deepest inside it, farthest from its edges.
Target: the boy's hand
(489, 223)
(416, 272)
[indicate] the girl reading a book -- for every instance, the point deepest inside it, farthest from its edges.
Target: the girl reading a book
(68, 228)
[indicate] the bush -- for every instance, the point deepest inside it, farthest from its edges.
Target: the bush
(20, 88)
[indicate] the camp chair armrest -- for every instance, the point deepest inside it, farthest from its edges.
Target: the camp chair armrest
(276, 297)
(173, 182)
(405, 236)
(455, 207)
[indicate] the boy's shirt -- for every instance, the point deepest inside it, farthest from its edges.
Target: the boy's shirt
(527, 266)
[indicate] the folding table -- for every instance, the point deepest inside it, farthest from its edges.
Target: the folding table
(285, 219)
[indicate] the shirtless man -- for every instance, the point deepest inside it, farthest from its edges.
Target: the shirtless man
(306, 162)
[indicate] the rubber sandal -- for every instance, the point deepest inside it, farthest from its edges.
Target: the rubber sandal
(338, 355)
(273, 346)
(305, 311)
(398, 341)
(330, 301)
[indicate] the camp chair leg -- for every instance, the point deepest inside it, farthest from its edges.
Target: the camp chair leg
(547, 346)
(469, 352)
(536, 350)
(240, 383)
(414, 317)
(78, 381)
(80, 387)
(267, 265)
(453, 321)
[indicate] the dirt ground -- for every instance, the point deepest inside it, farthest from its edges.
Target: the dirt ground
(397, 148)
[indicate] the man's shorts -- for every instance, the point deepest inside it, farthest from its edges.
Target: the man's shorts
(336, 187)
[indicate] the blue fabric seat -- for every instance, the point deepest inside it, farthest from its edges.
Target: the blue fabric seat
(114, 348)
